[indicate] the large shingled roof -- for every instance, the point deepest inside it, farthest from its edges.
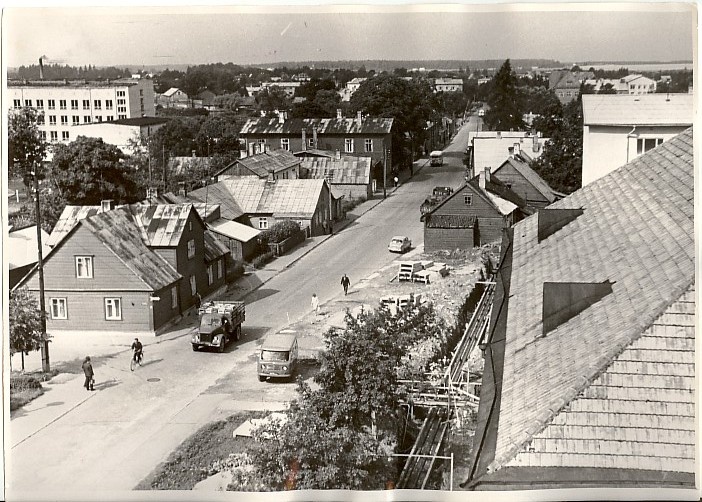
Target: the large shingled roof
(294, 127)
(611, 387)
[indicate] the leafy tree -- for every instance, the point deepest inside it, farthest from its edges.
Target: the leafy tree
(451, 103)
(505, 112)
(607, 89)
(272, 98)
(309, 90)
(25, 323)
(88, 170)
(409, 103)
(560, 165)
(26, 148)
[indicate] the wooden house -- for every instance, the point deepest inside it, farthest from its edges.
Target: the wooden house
(273, 165)
(516, 174)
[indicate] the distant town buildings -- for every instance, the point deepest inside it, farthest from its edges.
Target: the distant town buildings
(64, 104)
(448, 85)
(631, 84)
(618, 128)
(566, 83)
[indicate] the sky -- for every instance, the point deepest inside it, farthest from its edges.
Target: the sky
(179, 34)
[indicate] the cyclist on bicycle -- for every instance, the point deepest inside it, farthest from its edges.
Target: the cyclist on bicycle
(137, 348)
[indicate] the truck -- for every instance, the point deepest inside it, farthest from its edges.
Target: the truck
(278, 355)
(220, 322)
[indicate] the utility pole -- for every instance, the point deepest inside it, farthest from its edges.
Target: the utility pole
(385, 171)
(45, 366)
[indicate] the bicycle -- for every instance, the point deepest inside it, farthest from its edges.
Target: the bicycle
(136, 360)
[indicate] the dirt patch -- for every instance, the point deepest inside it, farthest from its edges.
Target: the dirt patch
(192, 461)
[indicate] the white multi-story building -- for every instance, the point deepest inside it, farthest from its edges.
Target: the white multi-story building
(66, 103)
(448, 85)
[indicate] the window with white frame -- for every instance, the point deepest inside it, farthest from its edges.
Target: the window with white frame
(108, 104)
(76, 120)
(468, 199)
(52, 104)
(54, 135)
(113, 309)
(52, 120)
(210, 274)
(348, 145)
(64, 119)
(97, 104)
(120, 117)
(109, 118)
(64, 135)
(62, 104)
(174, 298)
(84, 266)
(74, 104)
(368, 145)
(98, 118)
(191, 248)
(86, 104)
(17, 103)
(120, 93)
(43, 135)
(285, 144)
(263, 223)
(220, 269)
(193, 285)
(40, 103)
(58, 308)
(645, 144)
(87, 119)
(40, 119)
(121, 101)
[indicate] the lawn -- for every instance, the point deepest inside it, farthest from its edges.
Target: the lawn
(192, 461)
(24, 387)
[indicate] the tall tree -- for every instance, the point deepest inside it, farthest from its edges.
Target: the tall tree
(88, 170)
(26, 148)
(506, 109)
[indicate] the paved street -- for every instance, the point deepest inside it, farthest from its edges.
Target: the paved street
(70, 439)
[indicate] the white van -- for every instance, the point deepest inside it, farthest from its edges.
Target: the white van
(437, 158)
(278, 356)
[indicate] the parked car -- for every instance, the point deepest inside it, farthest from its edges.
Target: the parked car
(400, 244)
(278, 356)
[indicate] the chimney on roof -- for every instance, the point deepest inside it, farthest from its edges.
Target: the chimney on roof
(338, 155)
(517, 149)
(281, 117)
(242, 154)
(314, 136)
(499, 134)
(359, 118)
(304, 139)
(106, 205)
(181, 189)
(535, 145)
(338, 113)
(192, 153)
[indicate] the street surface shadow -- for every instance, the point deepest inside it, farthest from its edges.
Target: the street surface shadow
(260, 294)
(106, 385)
(148, 362)
(75, 366)
(253, 332)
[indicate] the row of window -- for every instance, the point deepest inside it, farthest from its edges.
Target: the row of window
(75, 119)
(63, 103)
(348, 144)
(113, 308)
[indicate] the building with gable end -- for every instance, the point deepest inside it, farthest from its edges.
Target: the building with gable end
(589, 377)
(516, 174)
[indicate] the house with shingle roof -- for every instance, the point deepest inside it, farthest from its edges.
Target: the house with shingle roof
(516, 173)
(589, 379)
(361, 136)
(133, 268)
(566, 84)
(618, 128)
(473, 215)
(273, 164)
(348, 176)
(173, 98)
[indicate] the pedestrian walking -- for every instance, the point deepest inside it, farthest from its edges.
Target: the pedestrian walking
(198, 301)
(315, 303)
(345, 283)
(397, 180)
(89, 374)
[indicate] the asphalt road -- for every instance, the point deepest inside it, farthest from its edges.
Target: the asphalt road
(114, 439)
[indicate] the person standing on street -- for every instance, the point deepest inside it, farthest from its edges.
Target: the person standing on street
(345, 283)
(198, 302)
(89, 374)
(315, 303)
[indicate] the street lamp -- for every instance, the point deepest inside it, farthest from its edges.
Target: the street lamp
(45, 366)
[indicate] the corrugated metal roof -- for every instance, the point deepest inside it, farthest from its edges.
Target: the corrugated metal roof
(294, 127)
(218, 194)
(347, 170)
(118, 231)
(70, 216)
(267, 162)
(234, 230)
(625, 361)
(642, 109)
(162, 225)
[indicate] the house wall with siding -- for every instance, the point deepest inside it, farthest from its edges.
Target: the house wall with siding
(436, 239)
(521, 186)
(490, 221)
(353, 191)
(217, 280)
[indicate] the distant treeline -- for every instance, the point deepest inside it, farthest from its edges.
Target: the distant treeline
(60, 72)
(380, 65)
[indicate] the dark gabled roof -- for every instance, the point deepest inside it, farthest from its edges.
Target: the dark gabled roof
(263, 163)
(139, 121)
(70, 216)
(294, 127)
(610, 389)
(522, 167)
(118, 231)
(217, 194)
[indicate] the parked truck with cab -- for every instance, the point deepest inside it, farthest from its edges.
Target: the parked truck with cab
(220, 322)
(278, 355)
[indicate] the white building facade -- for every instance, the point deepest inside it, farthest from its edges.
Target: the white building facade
(124, 133)
(64, 104)
(619, 128)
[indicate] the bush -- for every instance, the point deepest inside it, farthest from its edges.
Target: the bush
(262, 259)
(21, 381)
(23, 389)
(278, 233)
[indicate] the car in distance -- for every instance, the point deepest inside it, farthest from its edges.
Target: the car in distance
(399, 244)
(481, 113)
